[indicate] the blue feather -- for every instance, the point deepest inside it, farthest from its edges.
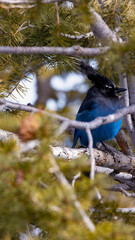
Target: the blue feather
(96, 105)
(101, 100)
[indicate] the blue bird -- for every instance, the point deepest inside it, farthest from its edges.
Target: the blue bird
(101, 100)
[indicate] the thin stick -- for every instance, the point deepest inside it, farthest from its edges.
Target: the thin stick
(90, 148)
(60, 176)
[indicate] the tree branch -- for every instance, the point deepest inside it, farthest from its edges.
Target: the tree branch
(118, 161)
(78, 37)
(69, 51)
(127, 194)
(101, 30)
(28, 2)
(82, 125)
(90, 149)
(124, 143)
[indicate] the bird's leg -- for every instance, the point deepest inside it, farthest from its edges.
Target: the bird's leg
(113, 154)
(108, 149)
(82, 146)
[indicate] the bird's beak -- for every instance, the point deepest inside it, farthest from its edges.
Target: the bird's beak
(118, 90)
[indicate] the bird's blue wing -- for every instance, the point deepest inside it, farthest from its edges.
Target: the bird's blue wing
(100, 134)
(84, 116)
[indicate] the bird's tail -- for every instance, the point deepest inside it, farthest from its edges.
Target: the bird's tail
(75, 139)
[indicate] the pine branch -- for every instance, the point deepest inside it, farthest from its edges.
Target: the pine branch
(69, 51)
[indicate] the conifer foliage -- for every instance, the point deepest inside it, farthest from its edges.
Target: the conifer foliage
(48, 198)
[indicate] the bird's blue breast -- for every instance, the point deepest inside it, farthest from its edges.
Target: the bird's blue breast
(104, 132)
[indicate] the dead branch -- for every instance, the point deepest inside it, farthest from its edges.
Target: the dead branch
(119, 162)
(82, 125)
(69, 51)
(77, 37)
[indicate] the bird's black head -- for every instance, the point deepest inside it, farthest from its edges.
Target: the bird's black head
(104, 84)
(107, 87)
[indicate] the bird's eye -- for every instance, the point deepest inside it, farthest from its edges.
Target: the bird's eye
(108, 86)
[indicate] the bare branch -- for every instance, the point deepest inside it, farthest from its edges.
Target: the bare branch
(90, 148)
(57, 13)
(132, 92)
(105, 35)
(125, 101)
(126, 210)
(75, 177)
(127, 194)
(30, 1)
(82, 125)
(124, 143)
(101, 30)
(87, 221)
(78, 37)
(118, 161)
(101, 4)
(69, 51)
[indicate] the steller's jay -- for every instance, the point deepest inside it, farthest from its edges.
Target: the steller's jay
(101, 100)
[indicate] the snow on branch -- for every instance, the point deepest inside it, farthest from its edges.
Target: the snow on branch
(78, 37)
(118, 161)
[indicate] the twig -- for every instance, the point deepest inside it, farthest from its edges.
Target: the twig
(90, 148)
(131, 79)
(87, 221)
(57, 13)
(125, 100)
(69, 51)
(126, 210)
(78, 37)
(124, 143)
(127, 194)
(22, 27)
(101, 4)
(62, 127)
(3, 106)
(23, 74)
(74, 178)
